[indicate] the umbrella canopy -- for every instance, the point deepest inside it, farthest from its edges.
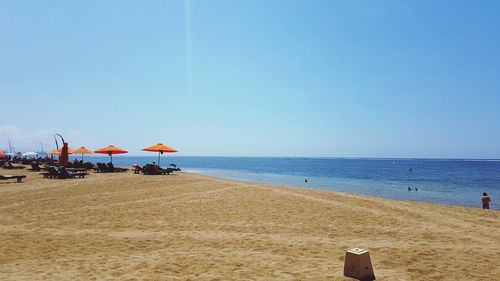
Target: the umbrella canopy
(58, 151)
(110, 150)
(29, 154)
(83, 150)
(2, 154)
(160, 148)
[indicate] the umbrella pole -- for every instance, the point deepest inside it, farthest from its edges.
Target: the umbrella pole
(111, 155)
(159, 159)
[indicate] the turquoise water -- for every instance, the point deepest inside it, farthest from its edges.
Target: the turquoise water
(443, 181)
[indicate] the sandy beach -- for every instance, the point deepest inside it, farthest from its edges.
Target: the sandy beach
(190, 227)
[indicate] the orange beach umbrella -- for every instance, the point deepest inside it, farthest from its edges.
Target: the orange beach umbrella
(58, 151)
(83, 150)
(1, 154)
(110, 150)
(160, 148)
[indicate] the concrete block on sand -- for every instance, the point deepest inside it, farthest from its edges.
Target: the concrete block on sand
(358, 265)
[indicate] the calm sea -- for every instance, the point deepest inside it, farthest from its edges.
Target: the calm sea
(443, 181)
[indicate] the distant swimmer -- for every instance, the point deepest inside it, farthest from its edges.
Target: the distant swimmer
(409, 188)
(416, 189)
(411, 170)
(305, 180)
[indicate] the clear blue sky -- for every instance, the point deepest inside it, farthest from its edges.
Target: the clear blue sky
(254, 78)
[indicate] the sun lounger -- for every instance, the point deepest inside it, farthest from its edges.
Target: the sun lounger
(151, 169)
(89, 166)
(137, 169)
(51, 173)
(102, 168)
(109, 168)
(80, 174)
(174, 168)
(77, 170)
(8, 177)
(9, 166)
(116, 169)
(162, 171)
(62, 173)
(65, 174)
(35, 167)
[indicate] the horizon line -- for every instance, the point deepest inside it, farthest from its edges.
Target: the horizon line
(310, 157)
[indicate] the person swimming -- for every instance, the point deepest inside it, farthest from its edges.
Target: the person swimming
(305, 180)
(409, 188)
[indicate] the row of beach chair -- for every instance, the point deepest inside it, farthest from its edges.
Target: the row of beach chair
(18, 178)
(152, 169)
(62, 173)
(10, 166)
(108, 168)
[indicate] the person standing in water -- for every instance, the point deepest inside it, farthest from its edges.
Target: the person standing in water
(486, 201)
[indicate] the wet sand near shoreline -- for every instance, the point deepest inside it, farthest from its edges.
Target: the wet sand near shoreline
(190, 227)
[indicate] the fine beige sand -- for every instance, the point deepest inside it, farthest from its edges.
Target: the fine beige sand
(191, 227)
